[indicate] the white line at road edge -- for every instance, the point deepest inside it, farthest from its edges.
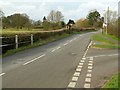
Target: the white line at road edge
(104, 55)
(34, 59)
(2, 74)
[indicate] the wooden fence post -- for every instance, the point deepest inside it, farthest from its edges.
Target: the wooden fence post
(16, 41)
(31, 39)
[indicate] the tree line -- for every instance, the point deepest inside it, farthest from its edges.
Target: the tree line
(54, 20)
(93, 19)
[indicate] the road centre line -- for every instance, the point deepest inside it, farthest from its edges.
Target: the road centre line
(56, 49)
(65, 44)
(2, 74)
(34, 59)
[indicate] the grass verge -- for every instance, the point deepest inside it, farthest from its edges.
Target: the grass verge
(106, 46)
(105, 41)
(113, 82)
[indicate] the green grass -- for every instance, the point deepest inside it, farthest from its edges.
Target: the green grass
(113, 82)
(104, 41)
(112, 36)
(99, 38)
(38, 43)
(107, 46)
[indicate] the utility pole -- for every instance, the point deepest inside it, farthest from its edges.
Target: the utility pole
(107, 21)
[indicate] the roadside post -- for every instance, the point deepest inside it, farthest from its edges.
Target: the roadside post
(16, 41)
(31, 39)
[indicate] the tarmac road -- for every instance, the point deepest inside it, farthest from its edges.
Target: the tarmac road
(53, 65)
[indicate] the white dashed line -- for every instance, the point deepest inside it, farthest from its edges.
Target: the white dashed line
(77, 74)
(89, 75)
(80, 63)
(34, 59)
(2, 74)
(75, 38)
(83, 58)
(58, 48)
(90, 67)
(78, 69)
(89, 71)
(53, 50)
(91, 58)
(104, 55)
(90, 61)
(71, 84)
(70, 40)
(65, 44)
(90, 64)
(74, 78)
(88, 80)
(79, 66)
(86, 85)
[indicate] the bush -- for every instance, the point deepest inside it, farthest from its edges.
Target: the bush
(82, 23)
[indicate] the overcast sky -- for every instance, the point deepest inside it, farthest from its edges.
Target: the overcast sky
(71, 9)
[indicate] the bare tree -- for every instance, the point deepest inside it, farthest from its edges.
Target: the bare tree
(51, 16)
(59, 16)
(55, 16)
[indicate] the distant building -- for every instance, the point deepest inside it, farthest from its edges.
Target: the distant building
(70, 24)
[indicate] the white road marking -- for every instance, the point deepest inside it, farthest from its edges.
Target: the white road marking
(113, 54)
(70, 40)
(34, 59)
(80, 63)
(78, 69)
(91, 58)
(86, 85)
(71, 84)
(89, 75)
(2, 74)
(89, 71)
(74, 78)
(75, 38)
(90, 64)
(58, 47)
(90, 61)
(83, 58)
(90, 67)
(53, 50)
(103, 55)
(79, 66)
(88, 80)
(65, 44)
(77, 74)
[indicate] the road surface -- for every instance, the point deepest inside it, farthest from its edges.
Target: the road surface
(57, 64)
